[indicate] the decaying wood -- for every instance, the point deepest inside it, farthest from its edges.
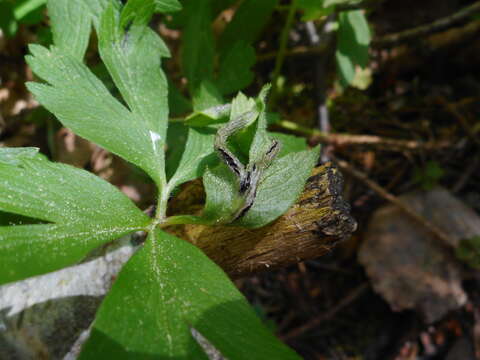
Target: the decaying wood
(318, 220)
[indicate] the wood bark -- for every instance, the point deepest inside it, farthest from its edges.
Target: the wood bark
(310, 228)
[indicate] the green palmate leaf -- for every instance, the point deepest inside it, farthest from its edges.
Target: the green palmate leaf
(236, 58)
(223, 199)
(206, 95)
(352, 45)
(327, 3)
(198, 45)
(242, 104)
(197, 154)
(14, 156)
(97, 7)
(156, 295)
(235, 73)
(290, 143)
(198, 148)
(133, 60)
(247, 24)
(8, 23)
(280, 187)
(71, 32)
(177, 102)
(177, 136)
(82, 102)
(14, 219)
(212, 115)
(261, 141)
(85, 211)
(167, 6)
(142, 10)
(237, 55)
(360, 26)
(13, 12)
(315, 9)
(274, 185)
(346, 68)
(25, 7)
(137, 11)
(208, 107)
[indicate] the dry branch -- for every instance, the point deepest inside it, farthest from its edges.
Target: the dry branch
(318, 220)
(427, 29)
(344, 140)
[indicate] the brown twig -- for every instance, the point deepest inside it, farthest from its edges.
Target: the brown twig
(347, 300)
(433, 229)
(436, 26)
(367, 140)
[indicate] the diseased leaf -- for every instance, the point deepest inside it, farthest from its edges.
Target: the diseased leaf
(273, 184)
(223, 199)
(156, 295)
(86, 212)
(70, 32)
(261, 141)
(290, 143)
(280, 187)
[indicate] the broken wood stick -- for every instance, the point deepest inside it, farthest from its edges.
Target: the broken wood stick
(310, 228)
